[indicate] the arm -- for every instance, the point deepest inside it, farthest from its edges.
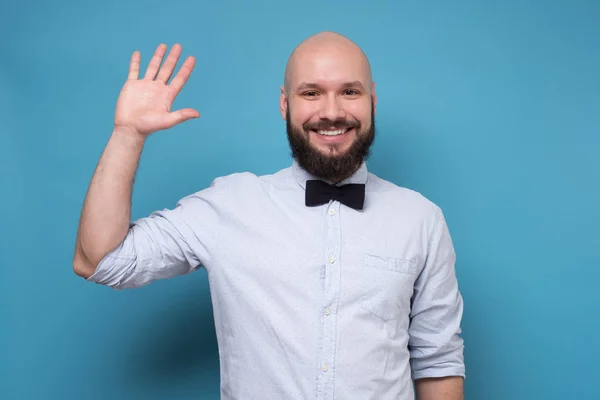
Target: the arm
(446, 388)
(106, 211)
(143, 108)
(434, 342)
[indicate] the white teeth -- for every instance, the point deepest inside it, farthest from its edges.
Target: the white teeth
(331, 133)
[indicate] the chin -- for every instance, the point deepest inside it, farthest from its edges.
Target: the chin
(326, 146)
(332, 150)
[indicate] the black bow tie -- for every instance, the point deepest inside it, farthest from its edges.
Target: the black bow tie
(319, 192)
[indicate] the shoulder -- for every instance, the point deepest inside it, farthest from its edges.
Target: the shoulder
(239, 187)
(402, 199)
(235, 181)
(248, 181)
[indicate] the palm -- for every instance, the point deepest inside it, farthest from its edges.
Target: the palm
(144, 105)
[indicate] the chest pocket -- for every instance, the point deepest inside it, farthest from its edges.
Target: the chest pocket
(387, 286)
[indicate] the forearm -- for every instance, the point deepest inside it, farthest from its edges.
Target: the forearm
(106, 212)
(447, 388)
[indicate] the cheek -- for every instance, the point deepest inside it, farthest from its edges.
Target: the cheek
(301, 116)
(361, 113)
(301, 111)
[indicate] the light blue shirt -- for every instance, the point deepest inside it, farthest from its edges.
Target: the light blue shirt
(319, 302)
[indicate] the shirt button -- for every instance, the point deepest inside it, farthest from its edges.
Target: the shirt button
(331, 259)
(324, 368)
(327, 311)
(331, 211)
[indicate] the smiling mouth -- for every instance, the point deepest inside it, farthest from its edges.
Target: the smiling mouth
(332, 132)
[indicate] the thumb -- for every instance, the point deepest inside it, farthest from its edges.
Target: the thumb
(179, 116)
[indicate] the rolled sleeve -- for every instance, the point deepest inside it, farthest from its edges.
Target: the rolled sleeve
(165, 244)
(153, 249)
(435, 345)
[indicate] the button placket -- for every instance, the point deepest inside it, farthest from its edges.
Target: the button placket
(325, 380)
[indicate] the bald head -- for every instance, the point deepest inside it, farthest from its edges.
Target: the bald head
(326, 50)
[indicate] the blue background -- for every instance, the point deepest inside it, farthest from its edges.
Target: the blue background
(490, 109)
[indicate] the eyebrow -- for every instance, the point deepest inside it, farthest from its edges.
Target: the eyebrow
(308, 85)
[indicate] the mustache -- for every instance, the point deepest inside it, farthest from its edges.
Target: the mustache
(329, 124)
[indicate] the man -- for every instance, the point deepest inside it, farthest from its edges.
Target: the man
(327, 281)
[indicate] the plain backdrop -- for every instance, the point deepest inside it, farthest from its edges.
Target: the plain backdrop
(490, 109)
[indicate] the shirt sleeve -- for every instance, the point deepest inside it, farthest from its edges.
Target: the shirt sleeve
(435, 345)
(165, 244)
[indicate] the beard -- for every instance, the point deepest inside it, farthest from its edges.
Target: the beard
(330, 167)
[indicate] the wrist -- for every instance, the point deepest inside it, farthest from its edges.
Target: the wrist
(128, 136)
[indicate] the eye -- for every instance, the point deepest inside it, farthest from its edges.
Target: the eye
(351, 92)
(310, 93)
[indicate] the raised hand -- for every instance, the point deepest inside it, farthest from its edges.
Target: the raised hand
(144, 105)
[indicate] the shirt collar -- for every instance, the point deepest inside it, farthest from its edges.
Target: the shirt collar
(301, 175)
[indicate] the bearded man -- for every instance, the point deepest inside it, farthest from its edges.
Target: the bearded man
(327, 281)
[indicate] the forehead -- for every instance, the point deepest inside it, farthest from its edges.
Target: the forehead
(329, 66)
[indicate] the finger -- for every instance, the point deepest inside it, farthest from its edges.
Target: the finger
(179, 116)
(155, 62)
(183, 75)
(134, 65)
(167, 69)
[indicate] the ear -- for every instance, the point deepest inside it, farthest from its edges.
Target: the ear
(374, 97)
(283, 103)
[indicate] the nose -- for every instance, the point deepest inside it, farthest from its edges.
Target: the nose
(331, 109)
